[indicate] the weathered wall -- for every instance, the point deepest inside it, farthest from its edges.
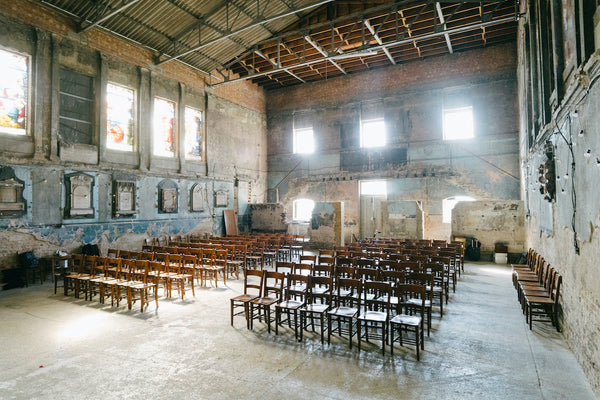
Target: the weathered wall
(554, 227)
(234, 130)
(491, 222)
(326, 227)
(402, 219)
(268, 217)
(417, 163)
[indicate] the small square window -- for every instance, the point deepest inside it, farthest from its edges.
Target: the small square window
(164, 128)
(372, 133)
(373, 188)
(458, 123)
(13, 93)
(303, 141)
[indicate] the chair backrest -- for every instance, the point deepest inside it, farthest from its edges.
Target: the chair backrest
(284, 267)
(343, 260)
(376, 296)
(348, 292)
(326, 260)
(112, 252)
(273, 284)
(365, 263)
(302, 269)
(343, 271)
(322, 270)
(253, 280)
(294, 280)
(308, 260)
(393, 276)
(410, 266)
(368, 274)
(328, 253)
(407, 291)
(320, 288)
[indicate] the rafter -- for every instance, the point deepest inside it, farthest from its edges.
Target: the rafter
(247, 27)
(410, 40)
(108, 15)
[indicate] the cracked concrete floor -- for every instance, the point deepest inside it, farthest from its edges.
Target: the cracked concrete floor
(57, 347)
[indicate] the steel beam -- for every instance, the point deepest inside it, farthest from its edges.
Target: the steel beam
(109, 15)
(440, 14)
(376, 36)
(253, 25)
(324, 53)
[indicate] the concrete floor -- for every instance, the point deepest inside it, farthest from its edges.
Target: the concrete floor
(56, 347)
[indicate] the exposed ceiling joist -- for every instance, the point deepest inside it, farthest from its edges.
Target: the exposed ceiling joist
(386, 45)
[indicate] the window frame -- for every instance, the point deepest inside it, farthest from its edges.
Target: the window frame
(362, 132)
(28, 105)
(445, 128)
(185, 134)
(366, 182)
(174, 127)
(92, 100)
(296, 140)
(133, 117)
(295, 205)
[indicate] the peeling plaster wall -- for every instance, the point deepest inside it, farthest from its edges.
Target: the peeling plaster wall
(268, 217)
(326, 227)
(417, 163)
(491, 222)
(402, 219)
(553, 227)
(234, 131)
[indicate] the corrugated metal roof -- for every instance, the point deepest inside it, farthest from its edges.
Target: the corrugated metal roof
(224, 34)
(173, 27)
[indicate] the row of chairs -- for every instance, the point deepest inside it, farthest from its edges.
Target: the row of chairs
(340, 301)
(538, 288)
(119, 279)
(209, 263)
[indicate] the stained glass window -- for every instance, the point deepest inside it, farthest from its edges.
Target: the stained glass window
(193, 133)
(119, 117)
(13, 93)
(164, 128)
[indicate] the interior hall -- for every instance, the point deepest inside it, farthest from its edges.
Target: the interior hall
(266, 198)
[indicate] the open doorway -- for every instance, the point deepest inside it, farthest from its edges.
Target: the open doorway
(372, 193)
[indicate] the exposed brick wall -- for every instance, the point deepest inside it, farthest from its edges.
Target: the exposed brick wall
(417, 75)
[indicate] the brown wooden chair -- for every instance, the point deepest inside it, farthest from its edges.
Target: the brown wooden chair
(409, 317)
(253, 287)
(272, 294)
(341, 317)
(544, 305)
(318, 301)
(292, 301)
(375, 312)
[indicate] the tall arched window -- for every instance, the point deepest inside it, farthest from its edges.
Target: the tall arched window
(449, 203)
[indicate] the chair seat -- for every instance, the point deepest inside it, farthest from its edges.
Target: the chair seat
(376, 316)
(344, 312)
(244, 297)
(316, 308)
(404, 319)
(290, 304)
(417, 302)
(320, 290)
(264, 301)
